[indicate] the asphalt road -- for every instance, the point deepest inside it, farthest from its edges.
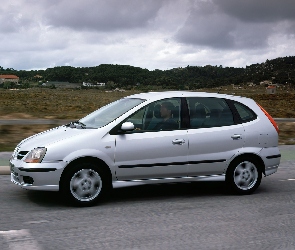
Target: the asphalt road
(199, 215)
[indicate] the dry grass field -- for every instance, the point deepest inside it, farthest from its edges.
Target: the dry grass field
(53, 103)
(74, 104)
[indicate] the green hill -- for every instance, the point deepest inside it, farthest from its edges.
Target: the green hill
(279, 71)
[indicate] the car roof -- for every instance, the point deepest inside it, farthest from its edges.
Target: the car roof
(171, 94)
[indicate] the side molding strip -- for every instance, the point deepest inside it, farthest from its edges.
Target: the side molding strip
(170, 164)
(273, 156)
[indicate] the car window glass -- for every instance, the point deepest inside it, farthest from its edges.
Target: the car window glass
(209, 112)
(157, 116)
(110, 112)
(245, 113)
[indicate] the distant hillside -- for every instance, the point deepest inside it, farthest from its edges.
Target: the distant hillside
(279, 71)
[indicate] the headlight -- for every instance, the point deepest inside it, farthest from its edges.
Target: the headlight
(36, 155)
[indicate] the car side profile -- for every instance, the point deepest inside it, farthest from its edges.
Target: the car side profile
(149, 138)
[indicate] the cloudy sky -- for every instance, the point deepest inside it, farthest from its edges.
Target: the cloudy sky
(152, 34)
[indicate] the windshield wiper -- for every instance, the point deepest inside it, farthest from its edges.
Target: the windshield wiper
(76, 124)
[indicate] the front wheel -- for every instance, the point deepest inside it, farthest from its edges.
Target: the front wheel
(84, 184)
(243, 176)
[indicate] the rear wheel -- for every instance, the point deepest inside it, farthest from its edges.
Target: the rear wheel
(243, 176)
(84, 184)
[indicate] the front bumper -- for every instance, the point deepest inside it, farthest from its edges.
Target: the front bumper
(36, 176)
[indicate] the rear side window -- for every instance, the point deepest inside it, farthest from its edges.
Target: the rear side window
(208, 112)
(244, 112)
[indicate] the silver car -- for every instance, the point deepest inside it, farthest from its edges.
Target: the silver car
(149, 138)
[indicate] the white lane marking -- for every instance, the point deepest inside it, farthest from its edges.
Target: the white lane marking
(288, 180)
(20, 239)
(36, 222)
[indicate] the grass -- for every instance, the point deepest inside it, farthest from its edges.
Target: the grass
(53, 103)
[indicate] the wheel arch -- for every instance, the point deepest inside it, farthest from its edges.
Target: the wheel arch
(249, 156)
(98, 162)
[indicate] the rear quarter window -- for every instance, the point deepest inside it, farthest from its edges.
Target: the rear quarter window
(246, 114)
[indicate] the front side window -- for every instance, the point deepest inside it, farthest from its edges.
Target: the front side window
(110, 112)
(157, 116)
(208, 112)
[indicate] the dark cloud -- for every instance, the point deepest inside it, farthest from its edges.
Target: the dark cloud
(103, 15)
(206, 26)
(258, 10)
(232, 24)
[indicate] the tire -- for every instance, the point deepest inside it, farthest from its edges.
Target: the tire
(243, 176)
(84, 184)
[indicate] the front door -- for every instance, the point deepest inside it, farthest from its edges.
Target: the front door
(154, 149)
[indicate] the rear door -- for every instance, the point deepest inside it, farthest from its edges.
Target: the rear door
(213, 136)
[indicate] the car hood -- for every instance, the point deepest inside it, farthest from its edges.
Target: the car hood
(47, 137)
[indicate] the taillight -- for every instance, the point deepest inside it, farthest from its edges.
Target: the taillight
(270, 118)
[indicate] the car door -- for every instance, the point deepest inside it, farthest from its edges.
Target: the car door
(214, 138)
(149, 152)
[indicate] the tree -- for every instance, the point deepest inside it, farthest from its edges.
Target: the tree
(8, 85)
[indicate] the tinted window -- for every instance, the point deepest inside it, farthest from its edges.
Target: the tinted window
(209, 112)
(157, 116)
(244, 112)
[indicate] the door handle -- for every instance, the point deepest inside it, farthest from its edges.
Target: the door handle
(236, 137)
(178, 142)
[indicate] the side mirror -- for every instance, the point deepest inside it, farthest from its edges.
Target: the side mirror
(127, 126)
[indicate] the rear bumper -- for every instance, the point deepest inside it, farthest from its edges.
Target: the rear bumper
(271, 170)
(271, 158)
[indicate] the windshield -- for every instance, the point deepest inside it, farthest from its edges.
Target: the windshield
(110, 112)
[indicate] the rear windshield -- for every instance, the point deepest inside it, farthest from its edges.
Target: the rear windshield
(110, 112)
